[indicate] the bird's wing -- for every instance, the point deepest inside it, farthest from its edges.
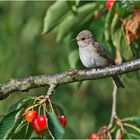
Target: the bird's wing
(103, 53)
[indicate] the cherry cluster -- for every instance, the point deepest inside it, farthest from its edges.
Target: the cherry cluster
(40, 122)
(95, 136)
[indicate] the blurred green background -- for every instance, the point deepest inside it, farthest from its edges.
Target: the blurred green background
(24, 51)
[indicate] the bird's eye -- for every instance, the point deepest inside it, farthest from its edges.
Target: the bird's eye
(82, 38)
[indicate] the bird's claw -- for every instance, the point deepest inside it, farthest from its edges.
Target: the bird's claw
(72, 71)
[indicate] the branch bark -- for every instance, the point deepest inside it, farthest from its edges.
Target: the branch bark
(26, 84)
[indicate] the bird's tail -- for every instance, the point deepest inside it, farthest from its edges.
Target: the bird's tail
(118, 82)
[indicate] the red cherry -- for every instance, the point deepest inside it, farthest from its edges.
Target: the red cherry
(42, 122)
(119, 138)
(63, 120)
(109, 4)
(35, 126)
(30, 115)
(94, 136)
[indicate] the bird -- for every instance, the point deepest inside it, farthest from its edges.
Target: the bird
(93, 55)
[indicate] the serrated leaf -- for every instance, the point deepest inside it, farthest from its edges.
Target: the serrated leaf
(7, 123)
(23, 132)
(134, 119)
(133, 136)
(18, 119)
(24, 103)
(129, 135)
(72, 21)
(73, 58)
(54, 15)
(55, 126)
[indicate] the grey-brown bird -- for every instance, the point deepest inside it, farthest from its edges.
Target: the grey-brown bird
(93, 55)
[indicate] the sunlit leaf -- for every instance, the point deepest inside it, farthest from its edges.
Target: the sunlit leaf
(107, 29)
(72, 5)
(133, 136)
(116, 32)
(134, 119)
(72, 21)
(54, 15)
(118, 133)
(108, 22)
(118, 39)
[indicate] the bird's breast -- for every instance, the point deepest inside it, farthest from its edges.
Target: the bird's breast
(90, 58)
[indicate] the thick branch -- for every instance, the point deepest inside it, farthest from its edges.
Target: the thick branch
(63, 78)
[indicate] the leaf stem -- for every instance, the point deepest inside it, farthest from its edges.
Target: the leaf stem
(132, 126)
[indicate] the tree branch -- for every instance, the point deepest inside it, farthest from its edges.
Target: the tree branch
(63, 78)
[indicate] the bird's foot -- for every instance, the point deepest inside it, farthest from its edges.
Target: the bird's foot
(72, 71)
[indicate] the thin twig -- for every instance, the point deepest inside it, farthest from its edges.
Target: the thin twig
(114, 102)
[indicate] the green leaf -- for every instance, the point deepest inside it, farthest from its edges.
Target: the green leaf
(7, 124)
(129, 135)
(72, 5)
(25, 102)
(133, 136)
(119, 40)
(72, 21)
(18, 119)
(116, 33)
(125, 48)
(23, 132)
(55, 126)
(118, 133)
(108, 22)
(54, 15)
(107, 29)
(134, 119)
(73, 58)
(123, 8)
